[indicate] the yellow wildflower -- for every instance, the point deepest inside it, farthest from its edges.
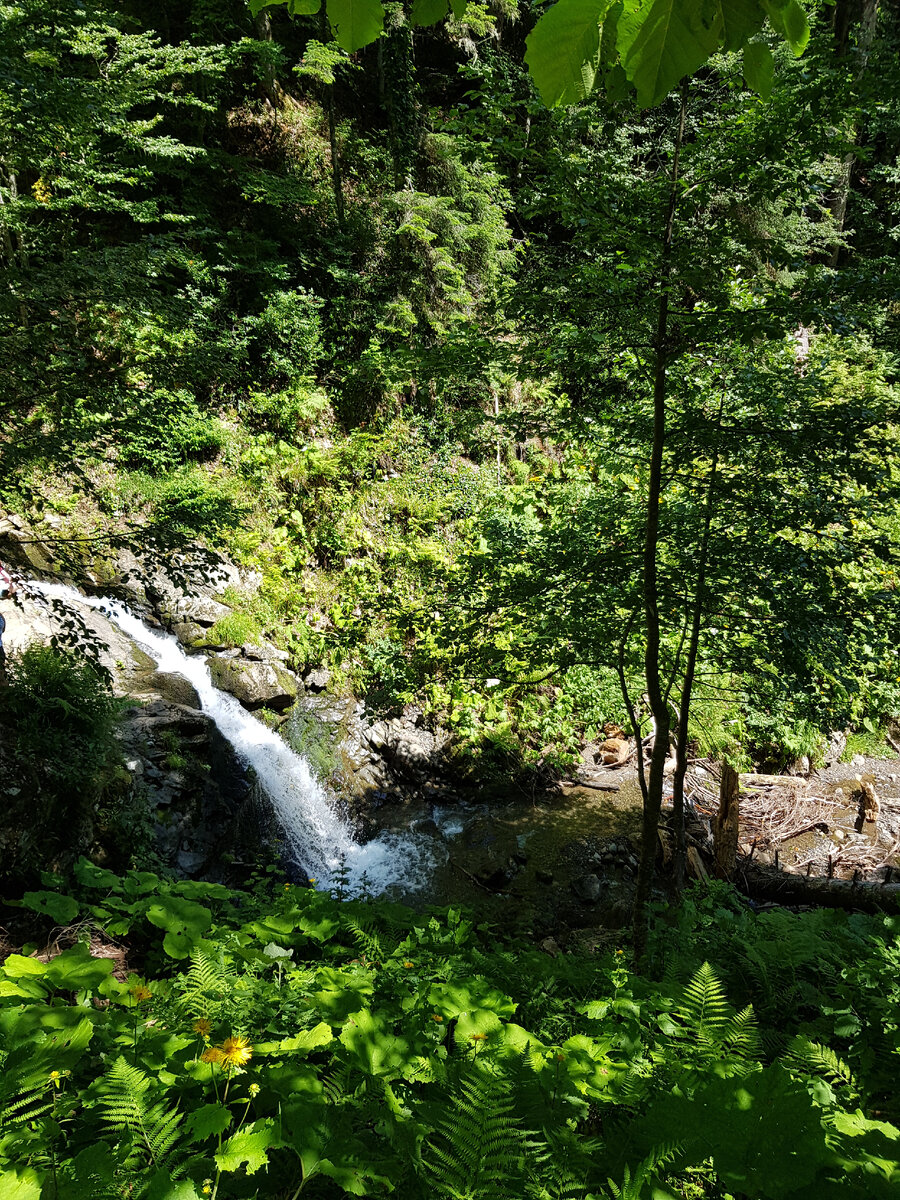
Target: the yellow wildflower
(203, 1026)
(55, 1078)
(213, 1055)
(253, 1090)
(408, 964)
(236, 1051)
(41, 192)
(141, 992)
(437, 1017)
(477, 1037)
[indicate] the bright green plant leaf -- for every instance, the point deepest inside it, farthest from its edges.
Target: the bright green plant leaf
(662, 41)
(458, 8)
(208, 1121)
(789, 20)
(373, 1044)
(759, 68)
(184, 923)
(428, 12)
(18, 966)
(250, 1146)
(355, 23)
(62, 909)
(451, 999)
(24, 1184)
(76, 969)
(302, 1043)
(163, 1187)
(741, 19)
(564, 50)
(474, 1029)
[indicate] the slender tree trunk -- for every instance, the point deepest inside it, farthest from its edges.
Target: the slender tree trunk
(272, 89)
(847, 13)
(687, 687)
(328, 89)
(659, 707)
(727, 822)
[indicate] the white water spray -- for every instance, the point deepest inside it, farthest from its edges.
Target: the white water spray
(319, 841)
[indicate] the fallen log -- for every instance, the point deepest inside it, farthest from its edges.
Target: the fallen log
(797, 782)
(764, 883)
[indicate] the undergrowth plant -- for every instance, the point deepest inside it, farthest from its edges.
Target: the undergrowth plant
(287, 1043)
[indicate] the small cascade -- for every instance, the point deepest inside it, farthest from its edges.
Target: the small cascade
(319, 841)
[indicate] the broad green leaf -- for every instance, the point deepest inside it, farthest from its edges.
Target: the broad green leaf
(304, 8)
(789, 20)
(61, 908)
(24, 1184)
(458, 8)
(662, 41)
(741, 19)
(759, 68)
(250, 1146)
(473, 1029)
(564, 50)
(96, 877)
(355, 23)
(370, 1039)
(428, 12)
(451, 999)
(207, 1121)
(163, 1187)
(17, 966)
(302, 1043)
(184, 923)
(76, 970)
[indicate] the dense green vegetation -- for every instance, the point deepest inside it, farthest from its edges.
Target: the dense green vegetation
(543, 360)
(264, 292)
(288, 1045)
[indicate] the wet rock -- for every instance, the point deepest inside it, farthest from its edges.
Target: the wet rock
(255, 684)
(265, 652)
(587, 888)
(550, 946)
(172, 687)
(190, 862)
(317, 680)
(189, 633)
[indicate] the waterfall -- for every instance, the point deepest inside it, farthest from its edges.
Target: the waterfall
(318, 840)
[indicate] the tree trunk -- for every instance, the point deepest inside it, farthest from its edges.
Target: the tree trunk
(847, 13)
(687, 686)
(768, 884)
(725, 826)
(659, 707)
(271, 87)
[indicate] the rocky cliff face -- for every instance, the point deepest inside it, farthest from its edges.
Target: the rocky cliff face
(179, 768)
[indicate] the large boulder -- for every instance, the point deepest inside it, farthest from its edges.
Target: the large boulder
(255, 684)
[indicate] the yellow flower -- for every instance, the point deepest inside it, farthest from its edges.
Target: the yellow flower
(408, 964)
(41, 192)
(213, 1055)
(55, 1078)
(437, 1017)
(236, 1051)
(311, 882)
(203, 1026)
(477, 1037)
(140, 992)
(253, 1090)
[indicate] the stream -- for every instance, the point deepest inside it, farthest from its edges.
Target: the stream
(318, 840)
(514, 858)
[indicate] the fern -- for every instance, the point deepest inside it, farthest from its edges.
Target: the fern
(632, 1185)
(710, 1022)
(477, 1150)
(812, 1058)
(365, 937)
(206, 985)
(559, 1168)
(152, 1127)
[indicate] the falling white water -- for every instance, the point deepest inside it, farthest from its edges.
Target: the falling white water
(319, 841)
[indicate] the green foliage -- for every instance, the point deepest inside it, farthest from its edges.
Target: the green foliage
(235, 629)
(59, 719)
(373, 1050)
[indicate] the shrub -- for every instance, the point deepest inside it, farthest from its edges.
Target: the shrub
(60, 718)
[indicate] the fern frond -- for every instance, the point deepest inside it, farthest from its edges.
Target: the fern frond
(815, 1059)
(365, 937)
(127, 1108)
(632, 1185)
(704, 1005)
(741, 1035)
(206, 984)
(477, 1150)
